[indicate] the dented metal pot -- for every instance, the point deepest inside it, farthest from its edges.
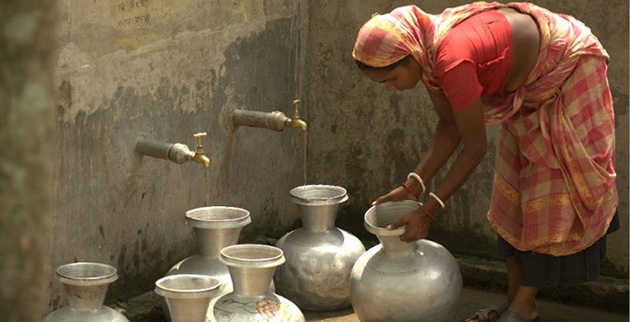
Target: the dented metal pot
(319, 256)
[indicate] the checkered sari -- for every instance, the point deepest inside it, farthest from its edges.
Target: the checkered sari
(554, 186)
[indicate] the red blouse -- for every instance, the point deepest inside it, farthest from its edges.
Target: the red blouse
(474, 59)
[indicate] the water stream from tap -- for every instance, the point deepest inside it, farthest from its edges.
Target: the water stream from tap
(207, 187)
(298, 31)
(304, 156)
(230, 160)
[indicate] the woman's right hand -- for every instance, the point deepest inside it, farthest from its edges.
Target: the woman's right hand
(418, 224)
(397, 194)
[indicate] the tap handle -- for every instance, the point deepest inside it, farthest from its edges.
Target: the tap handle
(200, 137)
(296, 112)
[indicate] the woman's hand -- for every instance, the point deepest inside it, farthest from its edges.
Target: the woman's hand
(397, 194)
(418, 224)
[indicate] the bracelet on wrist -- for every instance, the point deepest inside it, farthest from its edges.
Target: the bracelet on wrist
(439, 201)
(406, 187)
(427, 212)
(419, 179)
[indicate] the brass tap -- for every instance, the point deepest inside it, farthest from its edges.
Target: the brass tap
(199, 157)
(295, 121)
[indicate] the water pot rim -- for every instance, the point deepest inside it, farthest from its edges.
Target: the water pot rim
(86, 273)
(335, 195)
(195, 286)
(227, 217)
(271, 256)
(395, 209)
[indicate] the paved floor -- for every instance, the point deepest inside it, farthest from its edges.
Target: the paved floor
(146, 308)
(473, 299)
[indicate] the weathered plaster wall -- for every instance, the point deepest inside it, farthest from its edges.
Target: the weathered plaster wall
(367, 139)
(164, 70)
(27, 138)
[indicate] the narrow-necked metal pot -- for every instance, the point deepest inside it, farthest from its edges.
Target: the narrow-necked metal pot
(399, 281)
(86, 285)
(187, 295)
(251, 268)
(319, 255)
(215, 228)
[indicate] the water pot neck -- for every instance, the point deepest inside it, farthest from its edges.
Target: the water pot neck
(251, 282)
(211, 241)
(318, 218)
(188, 309)
(86, 298)
(394, 247)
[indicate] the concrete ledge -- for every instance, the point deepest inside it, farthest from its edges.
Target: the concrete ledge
(605, 293)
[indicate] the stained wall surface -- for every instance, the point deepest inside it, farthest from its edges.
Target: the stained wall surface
(367, 139)
(164, 70)
(27, 138)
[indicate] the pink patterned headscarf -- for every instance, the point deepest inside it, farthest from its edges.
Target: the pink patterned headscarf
(386, 39)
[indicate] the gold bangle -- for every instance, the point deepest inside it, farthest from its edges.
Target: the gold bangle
(432, 195)
(417, 177)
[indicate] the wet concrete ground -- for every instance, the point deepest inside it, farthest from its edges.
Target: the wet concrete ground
(145, 308)
(473, 299)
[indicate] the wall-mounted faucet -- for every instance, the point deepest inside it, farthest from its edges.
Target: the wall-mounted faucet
(275, 120)
(295, 121)
(176, 152)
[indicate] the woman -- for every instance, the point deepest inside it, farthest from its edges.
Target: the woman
(542, 77)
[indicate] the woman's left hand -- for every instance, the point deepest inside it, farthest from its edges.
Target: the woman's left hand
(397, 194)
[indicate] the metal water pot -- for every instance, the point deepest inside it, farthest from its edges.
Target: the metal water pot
(319, 256)
(403, 282)
(86, 285)
(251, 270)
(215, 227)
(187, 295)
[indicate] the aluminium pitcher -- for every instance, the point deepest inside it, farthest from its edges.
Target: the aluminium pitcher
(319, 256)
(403, 282)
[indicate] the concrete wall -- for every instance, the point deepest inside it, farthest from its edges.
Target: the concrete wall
(27, 138)
(367, 139)
(164, 70)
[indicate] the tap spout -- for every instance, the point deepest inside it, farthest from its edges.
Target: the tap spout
(201, 159)
(180, 153)
(174, 152)
(275, 120)
(199, 156)
(298, 124)
(296, 121)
